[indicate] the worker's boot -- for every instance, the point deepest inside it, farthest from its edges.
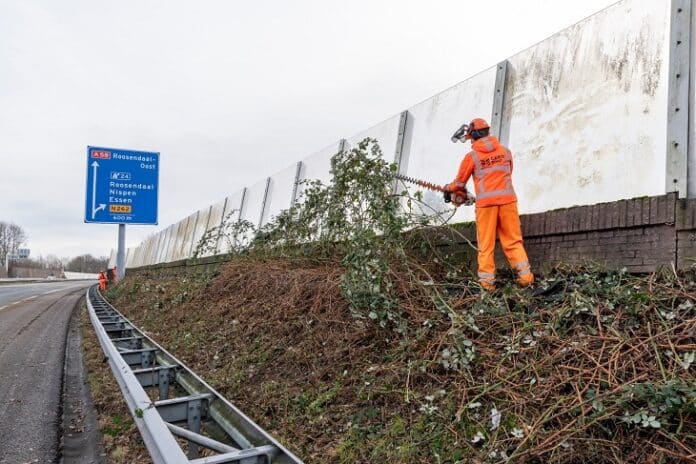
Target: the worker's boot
(487, 285)
(525, 280)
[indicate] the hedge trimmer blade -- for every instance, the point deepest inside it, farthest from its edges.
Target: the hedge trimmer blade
(458, 198)
(422, 183)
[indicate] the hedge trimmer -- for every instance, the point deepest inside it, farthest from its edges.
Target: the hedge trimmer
(458, 198)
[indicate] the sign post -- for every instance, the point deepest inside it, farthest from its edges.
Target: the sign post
(22, 253)
(122, 188)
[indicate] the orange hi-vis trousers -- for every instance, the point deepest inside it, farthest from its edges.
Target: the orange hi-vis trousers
(505, 221)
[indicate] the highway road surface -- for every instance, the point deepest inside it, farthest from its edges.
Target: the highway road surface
(37, 322)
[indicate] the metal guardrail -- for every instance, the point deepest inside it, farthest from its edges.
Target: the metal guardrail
(187, 410)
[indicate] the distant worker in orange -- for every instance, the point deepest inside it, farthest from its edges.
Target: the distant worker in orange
(490, 163)
(102, 280)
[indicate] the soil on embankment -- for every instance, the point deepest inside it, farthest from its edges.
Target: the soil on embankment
(597, 369)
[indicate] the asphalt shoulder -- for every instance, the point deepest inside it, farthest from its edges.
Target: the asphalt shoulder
(81, 441)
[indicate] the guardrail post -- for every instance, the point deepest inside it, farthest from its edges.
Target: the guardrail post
(146, 359)
(163, 383)
(194, 425)
(679, 81)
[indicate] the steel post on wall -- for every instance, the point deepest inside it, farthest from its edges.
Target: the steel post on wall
(242, 204)
(400, 154)
(678, 109)
(121, 253)
(296, 185)
(691, 162)
(499, 101)
(264, 203)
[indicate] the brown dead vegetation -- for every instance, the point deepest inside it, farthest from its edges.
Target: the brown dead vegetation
(595, 369)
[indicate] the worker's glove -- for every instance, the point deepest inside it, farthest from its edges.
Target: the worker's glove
(459, 197)
(447, 197)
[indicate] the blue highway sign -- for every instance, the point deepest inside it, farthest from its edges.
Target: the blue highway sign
(122, 186)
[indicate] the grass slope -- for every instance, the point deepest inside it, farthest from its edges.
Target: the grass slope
(596, 370)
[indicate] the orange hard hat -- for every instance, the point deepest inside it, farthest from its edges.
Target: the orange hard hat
(476, 124)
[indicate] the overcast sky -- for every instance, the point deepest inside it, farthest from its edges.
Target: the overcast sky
(227, 91)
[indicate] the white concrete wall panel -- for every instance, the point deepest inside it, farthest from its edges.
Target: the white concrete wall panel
(191, 223)
(216, 213)
(232, 209)
(585, 110)
(141, 251)
(280, 193)
(154, 251)
(216, 216)
(166, 250)
(233, 206)
(182, 250)
(150, 245)
(254, 202)
(130, 255)
(429, 153)
(112, 259)
(318, 166)
(201, 227)
(177, 240)
(167, 244)
(386, 133)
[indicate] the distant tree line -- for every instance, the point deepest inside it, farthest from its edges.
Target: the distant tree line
(87, 263)
(12, 237)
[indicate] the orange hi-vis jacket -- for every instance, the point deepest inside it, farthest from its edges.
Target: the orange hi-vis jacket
(491, 165)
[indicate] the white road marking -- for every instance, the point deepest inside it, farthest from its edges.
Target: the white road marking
(53, 291)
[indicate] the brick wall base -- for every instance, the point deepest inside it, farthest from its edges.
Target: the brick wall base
(640, 234)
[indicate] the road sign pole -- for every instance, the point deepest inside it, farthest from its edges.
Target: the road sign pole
(121, 253)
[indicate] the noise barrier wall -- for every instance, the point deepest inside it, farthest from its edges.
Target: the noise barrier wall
(586, 113)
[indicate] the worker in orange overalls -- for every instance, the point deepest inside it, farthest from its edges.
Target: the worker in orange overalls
(102, 281)
(490, 163)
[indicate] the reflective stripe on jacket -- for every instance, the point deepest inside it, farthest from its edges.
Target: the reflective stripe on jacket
(491, 165)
